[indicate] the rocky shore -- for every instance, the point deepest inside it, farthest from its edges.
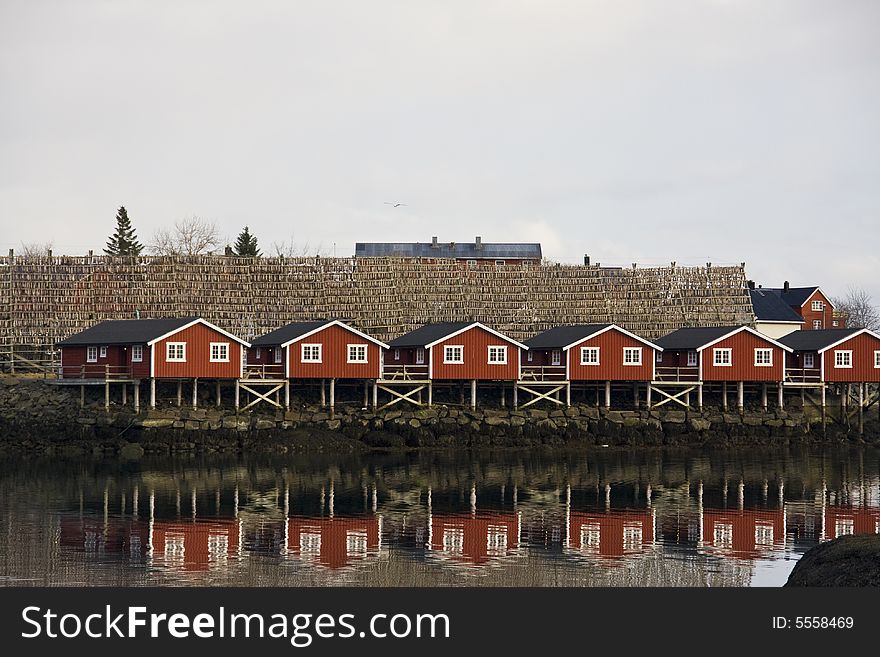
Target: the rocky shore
(35, 416)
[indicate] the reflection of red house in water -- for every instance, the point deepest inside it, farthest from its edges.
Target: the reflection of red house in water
(95, 536)
(743, 533)
(612, 534)
(333, 542)
(474, 539)
(197, 544)
(844, 521)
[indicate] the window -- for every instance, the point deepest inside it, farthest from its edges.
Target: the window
(91, 354)
(556, 357)
(589, 355)
(453, 354)
(723, 535)
(219, 352)
(529, 356)
(397, 354)
(632, 537)
(877, 360)
(279, 355)
(818, 306)
(763, 357)
(311, 353)
(137, 353)
(357, 353)
(497, 355)
(632, 355)
(763, 534)
(809, 361)
(103, 352)
(471, 263)
(842, 358)
(723, 357)
(258, 355)
(835, 323)
(499, 263)
(420, 356)
(658, 356)
(692, 359)
(175, 352)
(817, 324)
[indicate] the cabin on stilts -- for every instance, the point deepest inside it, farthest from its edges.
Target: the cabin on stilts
(323, 351)
(592, 355)
(126, 351)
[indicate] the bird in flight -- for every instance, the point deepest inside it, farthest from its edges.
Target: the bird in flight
(396, 205)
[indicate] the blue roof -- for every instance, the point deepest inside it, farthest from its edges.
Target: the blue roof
(769, 306)
(460, 250)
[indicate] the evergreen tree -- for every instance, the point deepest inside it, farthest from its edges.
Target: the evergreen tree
(123, 242)
(246, 245)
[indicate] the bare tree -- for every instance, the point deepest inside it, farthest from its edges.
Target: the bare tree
(291, 249)
(189, 236)
(35, 248)
(859, 307)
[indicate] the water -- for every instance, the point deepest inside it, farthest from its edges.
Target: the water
(504, 518)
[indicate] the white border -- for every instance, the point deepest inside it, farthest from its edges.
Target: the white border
(199, 320)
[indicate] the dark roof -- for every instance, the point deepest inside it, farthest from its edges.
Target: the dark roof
(693, 338)
(815, 340)
(769, 306)
(562, 336)
(427, 334)
(126, 331)
(287, 333)
(795, 296)
(461, 250)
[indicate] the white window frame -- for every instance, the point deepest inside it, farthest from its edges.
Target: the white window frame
(556, 357)
(590, 355)
(447, 351)
(471, 263)
(258, 354)
(841, 355)
(397, 354)
(809, 361)
(103, 352)
(658, 356)
(420, 355)
(500, 263)
(91, 354)
(818, 306)
(357, 347)
(502, 349)
(877, 360)
(628, 352)
(137, 353)
(529, 357)
(173, 346)
(718, 354)
(763, 350)
(817, 324)
(278, 355)
(309, 347)
(222, 347)
(692, 359)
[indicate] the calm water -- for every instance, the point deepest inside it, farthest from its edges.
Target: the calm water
(527, 518)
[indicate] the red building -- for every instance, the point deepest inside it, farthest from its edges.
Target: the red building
(195, 545)
(811, 304)
(324, 349)
(591, 352)
(474, 539)
(746, 534)
(833, 356)
(334, 542)
(611, 535)
(456, 351)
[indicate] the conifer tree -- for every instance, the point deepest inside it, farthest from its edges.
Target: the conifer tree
(246, 245)
(123, 242)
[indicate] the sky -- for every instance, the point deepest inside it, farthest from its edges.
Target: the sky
(635, 131)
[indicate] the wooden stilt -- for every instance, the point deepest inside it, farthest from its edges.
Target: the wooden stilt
(739, 395)
(82, 396)
(822, 394)
(430, 394)
(179, 393)
(568, 394)
(779, 391)
(375, 395)
(687, 399)
(107, 395)
(332, 394)
(125, 394)
(608, 394)
(502, 396)
(636, 396)
(137, 399)
(323, 397)
(515, 397)
(287, 395)
(648, 396)
(700, 397)
(473, 393)
(764, 396)
(366, 394)
(861, 408)
(152, 393)
(237, 394)
(724, 395)
(218, 393)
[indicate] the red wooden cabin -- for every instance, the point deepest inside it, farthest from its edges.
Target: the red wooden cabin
(610, 535)
(590, 352)
(474, 539)
(813, 306)
(833, 356)
(727, 353)
(323, 349)
(454, 351)
(333, 542)
(180, 348)
(746, 534)
(195, 545)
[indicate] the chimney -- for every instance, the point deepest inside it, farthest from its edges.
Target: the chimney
(751, 285)
(785, 286)
(479, 243)
(586, 260)
(434, 242)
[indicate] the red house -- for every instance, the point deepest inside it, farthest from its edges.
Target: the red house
(833, 356)
(195, 545)
(334, 542)
(811, 304)
(746, 534)
(474, 539)
(611, 535)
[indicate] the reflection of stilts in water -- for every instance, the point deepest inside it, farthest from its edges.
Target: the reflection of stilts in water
(607, 497)
(740, 494)
(568, 515)
(135, 494)
(473, 499)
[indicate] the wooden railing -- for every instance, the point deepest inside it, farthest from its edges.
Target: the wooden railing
(803, 375)
(677, 374)
(404, 372)
(94, 371)
(263, 371)
(543, 373)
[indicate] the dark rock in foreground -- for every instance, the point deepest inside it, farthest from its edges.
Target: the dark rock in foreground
(845, 561)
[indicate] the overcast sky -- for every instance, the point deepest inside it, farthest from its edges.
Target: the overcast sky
(632, 130)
